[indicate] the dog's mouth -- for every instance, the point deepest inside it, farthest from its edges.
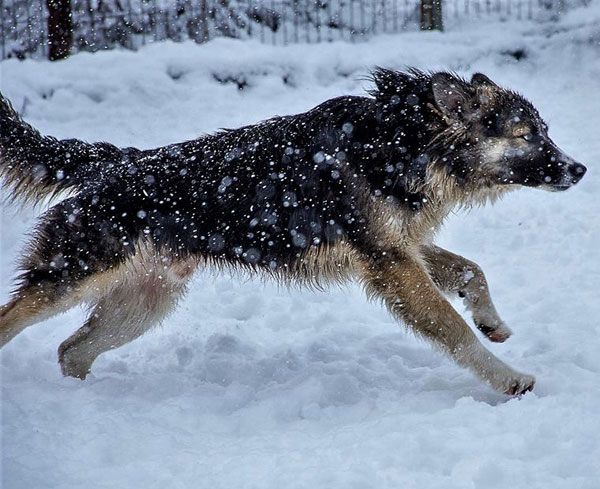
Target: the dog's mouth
(565, 184)
(549, 187)
(560, 188)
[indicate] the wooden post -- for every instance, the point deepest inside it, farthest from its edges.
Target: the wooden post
(431, 15)
(60, 29)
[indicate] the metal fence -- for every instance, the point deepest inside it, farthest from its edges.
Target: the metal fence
(104, 24)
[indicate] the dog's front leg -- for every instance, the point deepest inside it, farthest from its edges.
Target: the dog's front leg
(454, 274)
(406, 288)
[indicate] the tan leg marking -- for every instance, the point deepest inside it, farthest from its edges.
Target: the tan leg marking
(454, 274)
(33, 304)
(134, 298)
(405, 287)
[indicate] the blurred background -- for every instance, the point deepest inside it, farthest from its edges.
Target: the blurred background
(55, 28)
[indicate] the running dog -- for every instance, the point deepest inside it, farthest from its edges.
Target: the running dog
(354, 188)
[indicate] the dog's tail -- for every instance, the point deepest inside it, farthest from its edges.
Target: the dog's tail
(33, 167)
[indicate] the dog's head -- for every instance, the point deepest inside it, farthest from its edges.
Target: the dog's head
(503, 140)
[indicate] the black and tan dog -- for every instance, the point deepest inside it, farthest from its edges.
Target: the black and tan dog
(354, 188)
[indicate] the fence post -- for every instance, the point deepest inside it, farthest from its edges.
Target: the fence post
(431, 15)
(2, 27)
(204, 17)
(60, 29)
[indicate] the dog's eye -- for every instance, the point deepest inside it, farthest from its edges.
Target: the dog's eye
(522, 131)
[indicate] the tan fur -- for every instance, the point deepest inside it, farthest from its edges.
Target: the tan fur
(135, 296)
(126, 303)
(454, 274)
(323, 266)
(33, 305)
(410, 295)
(444, 189)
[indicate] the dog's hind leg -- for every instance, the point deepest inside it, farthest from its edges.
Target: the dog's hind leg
(74, 243)
(454, 274)
(141, 295)
(403, 284)
(51, 273)
(32, 304)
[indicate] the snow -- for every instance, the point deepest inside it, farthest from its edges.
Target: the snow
(250, 385)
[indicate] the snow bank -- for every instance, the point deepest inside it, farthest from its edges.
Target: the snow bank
(251, 386)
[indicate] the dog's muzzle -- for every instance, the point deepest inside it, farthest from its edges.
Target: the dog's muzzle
(574, 172)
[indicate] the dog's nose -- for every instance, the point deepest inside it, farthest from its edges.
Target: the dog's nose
(577, 170)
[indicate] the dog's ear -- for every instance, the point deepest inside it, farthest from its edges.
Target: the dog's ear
(486, 89)
(451, 95)
(480, 80)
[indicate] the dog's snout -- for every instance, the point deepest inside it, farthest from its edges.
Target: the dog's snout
(570, 174)
(577, 171)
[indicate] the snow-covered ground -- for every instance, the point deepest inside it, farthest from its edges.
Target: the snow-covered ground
(249, 385)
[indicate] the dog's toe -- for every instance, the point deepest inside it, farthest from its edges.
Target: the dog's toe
(521, 386)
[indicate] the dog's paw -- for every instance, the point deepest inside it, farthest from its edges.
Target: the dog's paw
(495, 372)
(494, 330)
(516, 384)
(70, 365)
(521, 385)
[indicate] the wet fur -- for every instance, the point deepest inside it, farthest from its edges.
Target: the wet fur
(352, 189)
